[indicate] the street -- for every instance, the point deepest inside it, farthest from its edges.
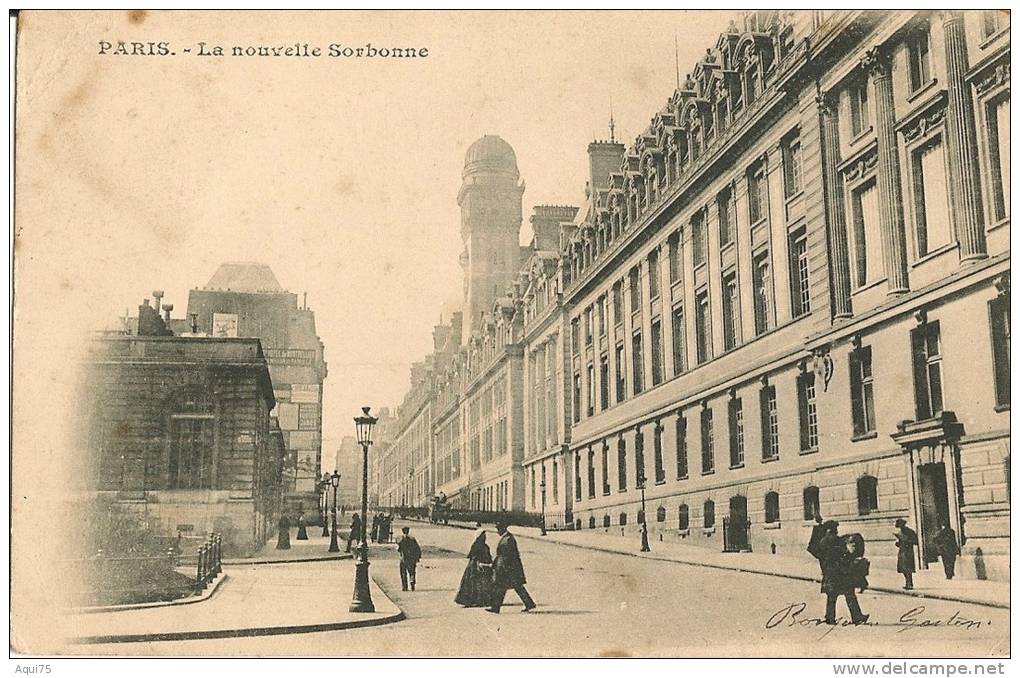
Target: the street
(601, 604)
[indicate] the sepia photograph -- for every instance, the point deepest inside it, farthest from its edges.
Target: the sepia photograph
(512, 334)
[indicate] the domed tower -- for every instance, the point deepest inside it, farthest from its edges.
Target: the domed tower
(490, 224)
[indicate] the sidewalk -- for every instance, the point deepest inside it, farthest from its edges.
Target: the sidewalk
(927, 583)
(252, 601)
(315, 548)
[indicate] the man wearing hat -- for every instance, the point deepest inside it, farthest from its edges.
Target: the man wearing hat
(906, 540)
(838, 577)
(508, 571)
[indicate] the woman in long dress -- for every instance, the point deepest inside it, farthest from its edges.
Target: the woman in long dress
(476, 583)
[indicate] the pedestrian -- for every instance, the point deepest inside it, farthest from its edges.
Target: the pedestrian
(948, 548)
(906, 540)
(838, 575)
(476, 583)
(355, 533)
(375, 527)
(819, 530)
(410, 554)
(302, 530)
(283, 538)
(508, 571)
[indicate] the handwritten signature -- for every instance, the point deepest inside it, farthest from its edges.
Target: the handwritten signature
(794, 615)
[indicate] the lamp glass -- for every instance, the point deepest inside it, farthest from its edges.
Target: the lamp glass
(363, 426)
(334, 479)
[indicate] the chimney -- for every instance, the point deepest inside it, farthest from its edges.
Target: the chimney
(603, 157)
(158, 296)
(545, 222)
(166, 310)
(304, 303)
(194, 322)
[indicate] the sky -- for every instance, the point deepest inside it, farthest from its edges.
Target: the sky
(138, 173)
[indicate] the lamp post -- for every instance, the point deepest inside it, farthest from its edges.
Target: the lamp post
(334, 481)
(324, 488)
(542, 486)
(362, 600)
(644, 516)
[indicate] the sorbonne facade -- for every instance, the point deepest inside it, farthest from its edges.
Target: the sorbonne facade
(788, 296)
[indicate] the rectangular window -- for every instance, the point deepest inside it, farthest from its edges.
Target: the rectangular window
(681, 447)
(735, 410)
(761, 270)
(998, 311)
(792, 166)
(862, 391)
(679, 345)
(638, 363)
(191, 453)
(707, 442)
(800, 280)
(653, 274)
(621, 374)
(698, 240)
(869, 266)
(577, 476)
(604, 381)
(621, 463)
(591, 389)
(703, 321)
(757, 200)
(639, 458)
(769, 423)
(808, 411)
(920, 60)
(931, 198)
(575, 336)
(675, 257)
(602, 315)
(726, 217)
(589, 314)
(729, 309)
(752, 79)
(577, 397)
(860, 116)
(635, 290)
(992, 21)
(927, 359)
(656, 330)
(591, 473)
(617, 303)
(660, 468)
(997, 124)
(555, 482)
(605, 468)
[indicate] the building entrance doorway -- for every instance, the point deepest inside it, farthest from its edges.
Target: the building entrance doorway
(934, 504)
(735, 526)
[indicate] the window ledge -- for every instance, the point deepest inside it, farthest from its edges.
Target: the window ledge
(734, 467)
(999, 224)
(622, 490)
(660, 482)
(990, 38)
(942, 249)
(684, 533)
(708, 531)
(916, 94)
(860, 135)
(683, 477)
(1004, 407)
(768, 460)
(772, 526)
(606, 493)
(812, 450)
(869, 285)
(708, 473)
(864, 436)
(796, 196)
(727, 246)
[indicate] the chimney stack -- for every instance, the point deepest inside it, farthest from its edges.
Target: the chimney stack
(194, 322)
(158, 296)
(166, 309)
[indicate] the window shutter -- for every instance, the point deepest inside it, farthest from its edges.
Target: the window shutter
(802, 408)
(856, 393)
(766, 430)
(921, 396)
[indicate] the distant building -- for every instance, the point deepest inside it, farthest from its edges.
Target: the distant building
(178, 431)
(349, 463)
(244, 299)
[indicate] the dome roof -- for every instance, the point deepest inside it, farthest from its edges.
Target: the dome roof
(490, 153)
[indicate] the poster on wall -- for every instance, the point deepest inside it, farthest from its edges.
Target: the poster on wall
(224, 325)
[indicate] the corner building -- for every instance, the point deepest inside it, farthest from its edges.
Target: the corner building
(792, 294)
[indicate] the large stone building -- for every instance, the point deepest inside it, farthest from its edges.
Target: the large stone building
(178, 433)
(788, 296)
(244, 299)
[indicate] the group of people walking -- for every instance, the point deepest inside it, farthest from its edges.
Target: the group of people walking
(845, 569)
(486, 579)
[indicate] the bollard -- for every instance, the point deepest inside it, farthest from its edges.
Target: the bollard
(219, 554)
(201, 567)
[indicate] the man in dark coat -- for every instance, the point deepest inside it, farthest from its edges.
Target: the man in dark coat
(838, 576)
(948, 548)
(817, 532)
(906, 540)
(355, 534)
(410, 554)
(508, 571)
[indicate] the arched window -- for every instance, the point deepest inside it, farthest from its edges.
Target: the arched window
(812, 504)
(772, 507)
(577, 524)
(709, 513)
(606, 520)
(867, 495)
(591, 522)
(660, 514)
(684, 519)
(623, 519)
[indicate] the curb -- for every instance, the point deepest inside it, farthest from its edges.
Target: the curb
(205, 595)
(883, 589)
(316, 559)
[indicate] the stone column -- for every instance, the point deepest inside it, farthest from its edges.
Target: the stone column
(961, 143)
(890, 190)
(835, 209)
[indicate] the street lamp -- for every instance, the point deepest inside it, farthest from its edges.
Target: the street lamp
(362, 600)
(644, 515)
(334, 480)
(324, 489)
(542, 486)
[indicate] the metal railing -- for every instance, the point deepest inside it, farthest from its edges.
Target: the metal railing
(210, 562)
